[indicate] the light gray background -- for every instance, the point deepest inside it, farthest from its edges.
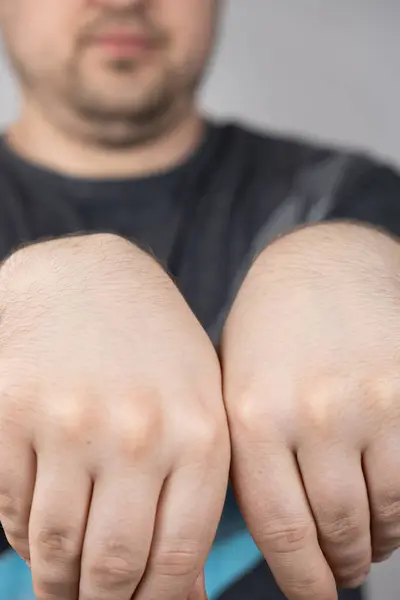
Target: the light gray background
(319, 68)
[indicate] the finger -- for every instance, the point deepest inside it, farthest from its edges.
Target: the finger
(199, 589)
(382, 472)
(189, 512)
(57, 526)
(274, 504)
(336, 489)
(119, 533)
(17, 480)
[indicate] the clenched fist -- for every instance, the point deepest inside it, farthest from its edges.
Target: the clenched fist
(311, 357)
(114, 451)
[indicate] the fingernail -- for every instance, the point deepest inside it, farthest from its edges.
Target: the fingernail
(357, 582)
(382, 557)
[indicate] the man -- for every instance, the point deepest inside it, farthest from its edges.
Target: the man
(116, 412)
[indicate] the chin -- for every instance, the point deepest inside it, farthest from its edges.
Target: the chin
(124, 112)
(122, 94)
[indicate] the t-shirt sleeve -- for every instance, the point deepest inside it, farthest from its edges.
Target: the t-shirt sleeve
(13, 232)
(339, 187)
(369, 193)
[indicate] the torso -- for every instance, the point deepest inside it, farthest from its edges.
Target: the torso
(206, 220)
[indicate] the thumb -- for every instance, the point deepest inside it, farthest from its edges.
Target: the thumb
(199, 589)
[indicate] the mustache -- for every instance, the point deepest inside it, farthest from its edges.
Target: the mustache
(126, 20)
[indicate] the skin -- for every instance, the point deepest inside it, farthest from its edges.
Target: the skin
(114, 444)
(310, 394)
(310, 358)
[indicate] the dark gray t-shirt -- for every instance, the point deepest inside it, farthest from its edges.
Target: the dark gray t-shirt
(207, 219)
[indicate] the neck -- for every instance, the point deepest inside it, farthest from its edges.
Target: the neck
(36, 139)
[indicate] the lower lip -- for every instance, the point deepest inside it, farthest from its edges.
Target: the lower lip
(120, 46)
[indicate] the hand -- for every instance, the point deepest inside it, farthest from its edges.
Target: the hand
(114, 451)
(311, 357)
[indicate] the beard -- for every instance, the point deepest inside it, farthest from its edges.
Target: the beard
(130, 113)
(127, 114)
(115, 111)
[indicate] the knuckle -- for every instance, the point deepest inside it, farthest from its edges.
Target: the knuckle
(15, 529)
(204, 437)
(342, 528)
(112, 573)
(388, 511)
(16, 533)
(138, 431)
(352, 576)
(287, 537)
(75, 416)
(20, 543)
(384, 392)
(176, 561)
(246, 414)
(56, 544)
(70, 429)
(50, 585)
(310, 585)
(9, 507)
(318, 397)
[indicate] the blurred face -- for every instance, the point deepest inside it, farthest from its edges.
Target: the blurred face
(125, 65)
